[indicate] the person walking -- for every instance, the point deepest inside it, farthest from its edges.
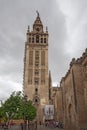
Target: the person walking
(21, 126)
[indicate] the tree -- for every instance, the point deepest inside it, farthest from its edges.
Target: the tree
(12, 105)
(15, 107)
(30, 111)
(1, 113)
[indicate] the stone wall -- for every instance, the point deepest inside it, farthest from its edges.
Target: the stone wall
(57, 101)
(74, 93)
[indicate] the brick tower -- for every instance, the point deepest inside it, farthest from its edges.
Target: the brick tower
(36, 74)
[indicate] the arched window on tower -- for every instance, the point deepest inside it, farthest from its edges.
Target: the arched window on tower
(32, 39)
(36, 90)
(44, 40)
(29, 40)
(36, 100)
(37, 38)
(41, 40)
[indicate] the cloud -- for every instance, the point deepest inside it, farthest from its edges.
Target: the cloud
(7, 87)
(67, 27)
(75, 13)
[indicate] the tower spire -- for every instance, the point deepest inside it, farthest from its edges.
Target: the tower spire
(37, 13)
(46, 29)
(28, 30)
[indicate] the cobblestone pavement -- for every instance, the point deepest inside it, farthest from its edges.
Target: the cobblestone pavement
(39, 127)
(15, 127)
(47, 128)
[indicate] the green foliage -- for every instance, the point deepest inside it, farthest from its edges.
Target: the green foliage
(15, 107)
(30, 111)
(12, 106)
(1, 113)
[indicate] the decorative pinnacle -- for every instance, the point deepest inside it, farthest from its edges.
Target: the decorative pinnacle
(46, 29)
(28, 29)
(37, 13)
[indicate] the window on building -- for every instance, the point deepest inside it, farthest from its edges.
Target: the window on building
(36, 100)
(29, 40)
(32, 39)
(41, 40)
(37, 38)
(36, 90)
(44, 40)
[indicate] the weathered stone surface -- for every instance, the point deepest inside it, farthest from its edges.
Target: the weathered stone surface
(74, 92)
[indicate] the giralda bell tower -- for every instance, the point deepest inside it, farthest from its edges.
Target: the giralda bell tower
(36, 74)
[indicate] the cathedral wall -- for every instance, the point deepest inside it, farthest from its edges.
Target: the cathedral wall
(59, 105)
(74, 93)
(68, 100)
(80, 93)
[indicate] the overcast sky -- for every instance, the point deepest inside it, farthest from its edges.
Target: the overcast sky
(67, 27)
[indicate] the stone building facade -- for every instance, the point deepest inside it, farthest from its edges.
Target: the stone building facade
(37, 79)
(57, 101)
(74, 92)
